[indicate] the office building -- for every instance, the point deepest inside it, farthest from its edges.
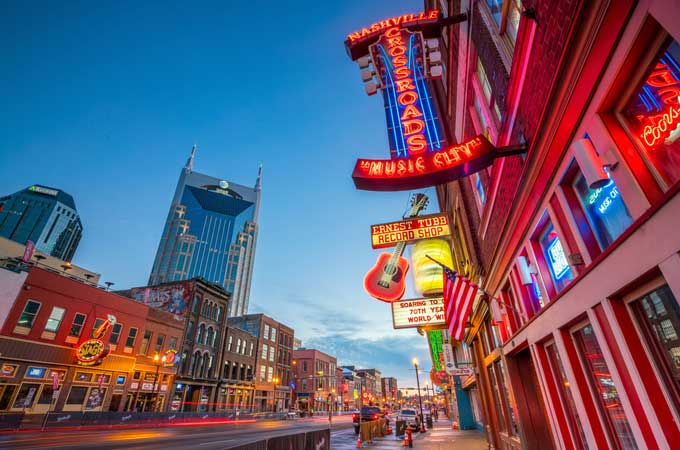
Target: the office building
(44, 215)
(210, 232)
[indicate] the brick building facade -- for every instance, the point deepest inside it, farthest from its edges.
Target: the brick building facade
(574, 241)
(315, 380)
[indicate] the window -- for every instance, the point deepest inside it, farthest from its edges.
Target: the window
(566, 397)
(251, 349)
(555, 258)
(607, 396)
(231, 341)
(200, 336)
(266, 331)
(145, 342)
(28, 315)
(658, 314)
(479, 188)
(77, 395)
(512, 25)
(77, 325)
(263, 372)
(190, 330)
(132, 335)
(26, 395)
(238, 345)
(115, 333)
(265, 348)
(304, 366)
(496, 8)
(270, 374)
(160, 340)
(605, 211)
(273, 334)
(54, 320)
(652, 115)
(173, 343)
(271, 353)
(197, 302)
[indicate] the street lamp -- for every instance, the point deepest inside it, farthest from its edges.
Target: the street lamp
(275, 380)
(155, 379)
(420, 400)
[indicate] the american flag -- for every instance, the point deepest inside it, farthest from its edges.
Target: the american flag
(459, 295)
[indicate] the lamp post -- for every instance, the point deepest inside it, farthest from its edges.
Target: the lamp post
(155, 379)
(420, 400)
(275, 380)
(331, 398)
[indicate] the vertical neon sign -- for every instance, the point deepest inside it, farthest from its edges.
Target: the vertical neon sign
(412, 123)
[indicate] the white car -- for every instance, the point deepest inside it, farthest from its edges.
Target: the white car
(408, 415)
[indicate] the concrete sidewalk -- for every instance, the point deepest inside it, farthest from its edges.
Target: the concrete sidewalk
(442, 437)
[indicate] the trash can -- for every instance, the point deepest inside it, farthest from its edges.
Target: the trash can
(428, 421)
(400, 427)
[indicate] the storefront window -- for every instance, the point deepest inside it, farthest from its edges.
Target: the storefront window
(514, 430)
(653, 114)
(497, 400)
(566, 397)
(607, 395)
(496, 8)
(605, 210)
(26, 395)
(556, 258)
(659, 316)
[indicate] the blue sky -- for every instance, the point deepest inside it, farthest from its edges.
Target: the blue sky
(104, 100)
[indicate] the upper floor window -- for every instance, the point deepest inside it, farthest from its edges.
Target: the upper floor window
(652, 115)
(77, 325)
(605, 210)
(28, 314)
(496, 8)
(273, 335)
(132, 334)
(145, 342)
(115, 333)
(54, 320)
(266, 331)
(480, 192)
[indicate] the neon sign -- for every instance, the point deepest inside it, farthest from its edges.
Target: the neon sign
(662, 95)
(91, 352)
(558, 260)
(420, 155)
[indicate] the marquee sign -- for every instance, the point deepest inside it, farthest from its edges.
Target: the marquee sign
(429, 169)
(420, 155)
(418, 312)
(91, 352)
(424, 227)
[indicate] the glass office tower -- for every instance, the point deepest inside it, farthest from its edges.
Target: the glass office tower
(210, 232)
(45, 216)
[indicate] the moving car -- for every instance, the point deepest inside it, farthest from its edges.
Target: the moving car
(368, 414)
(408, 415)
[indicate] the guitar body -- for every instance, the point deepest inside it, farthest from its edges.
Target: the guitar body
(384, 284)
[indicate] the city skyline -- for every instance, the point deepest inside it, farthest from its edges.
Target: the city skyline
(118, 152)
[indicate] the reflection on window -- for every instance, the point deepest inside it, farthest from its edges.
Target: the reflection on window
(653, 114)
(606, 213)
(607, 395)
(512, 25)
(496, 8)
(566, 397)
(659, 316)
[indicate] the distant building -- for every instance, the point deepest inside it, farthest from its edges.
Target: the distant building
(274, 355)
(389, 388)
(210, 232)
(297, 343)
(45, 216)
(315, 379)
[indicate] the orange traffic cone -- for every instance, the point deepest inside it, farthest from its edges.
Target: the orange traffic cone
(359, 441)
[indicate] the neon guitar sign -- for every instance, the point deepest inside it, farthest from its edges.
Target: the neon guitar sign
(386, 281)
(420, 155)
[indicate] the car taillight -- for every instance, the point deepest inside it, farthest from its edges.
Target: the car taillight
(375, 416)
(354, 416)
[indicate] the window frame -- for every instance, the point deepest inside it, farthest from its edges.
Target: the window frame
(61, 319)
(73, 324)
(26, 329)
(113, 333)
(134, 338)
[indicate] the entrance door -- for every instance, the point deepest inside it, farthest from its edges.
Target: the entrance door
(530, 407)
(115, 402)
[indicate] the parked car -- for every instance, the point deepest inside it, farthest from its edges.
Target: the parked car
(408, 415)
(368, 414)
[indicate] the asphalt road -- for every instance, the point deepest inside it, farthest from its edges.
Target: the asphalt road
(213, 437)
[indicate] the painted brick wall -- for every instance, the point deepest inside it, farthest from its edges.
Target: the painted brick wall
(554, 19)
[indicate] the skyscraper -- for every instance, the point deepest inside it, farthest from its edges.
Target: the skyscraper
(45, 216)
(210, 232)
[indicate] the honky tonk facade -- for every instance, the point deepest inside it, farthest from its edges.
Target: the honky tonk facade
(577, 345)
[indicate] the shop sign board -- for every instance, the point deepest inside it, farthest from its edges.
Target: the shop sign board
(462, 372)
(449, 362)
(418, 312)
(91, 352)
(410, 230)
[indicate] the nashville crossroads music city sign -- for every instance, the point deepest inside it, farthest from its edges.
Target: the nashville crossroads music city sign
(420, 156)
(424, 227)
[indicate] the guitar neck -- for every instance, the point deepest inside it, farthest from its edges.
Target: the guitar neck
(398, 250)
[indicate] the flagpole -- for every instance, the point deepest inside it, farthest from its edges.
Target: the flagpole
(485, 293)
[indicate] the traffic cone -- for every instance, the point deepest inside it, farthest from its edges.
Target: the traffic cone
(359, 441)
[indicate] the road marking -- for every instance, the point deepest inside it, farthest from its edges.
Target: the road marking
(218, 442)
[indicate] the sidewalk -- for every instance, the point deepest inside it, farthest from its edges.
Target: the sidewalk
(441, 437)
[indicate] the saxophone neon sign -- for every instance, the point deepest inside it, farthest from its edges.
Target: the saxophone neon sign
(420, 156)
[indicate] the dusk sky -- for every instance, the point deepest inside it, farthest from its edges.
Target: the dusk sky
(105, 100)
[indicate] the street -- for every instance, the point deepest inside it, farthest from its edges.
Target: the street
(176, 437)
